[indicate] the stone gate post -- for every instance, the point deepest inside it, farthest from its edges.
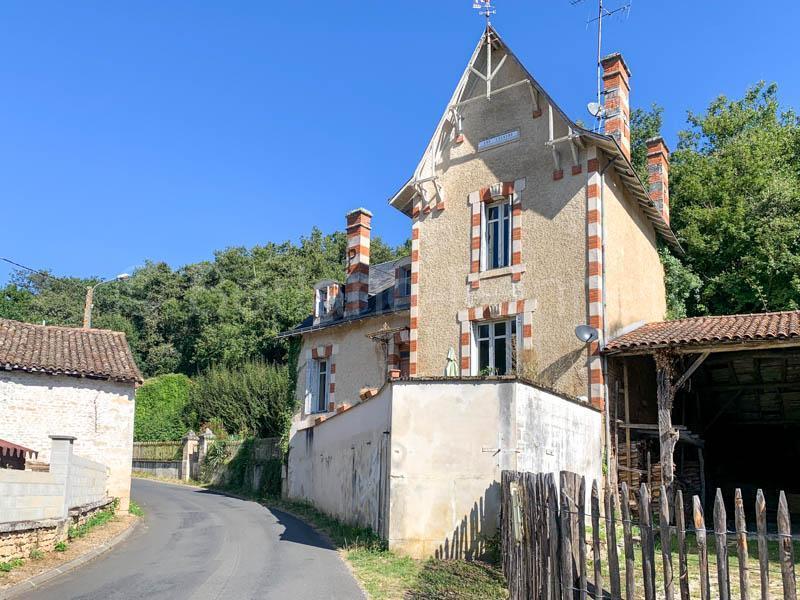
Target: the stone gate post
(189, 454)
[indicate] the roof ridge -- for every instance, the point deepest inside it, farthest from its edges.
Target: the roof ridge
(92, 330)
(733, 316)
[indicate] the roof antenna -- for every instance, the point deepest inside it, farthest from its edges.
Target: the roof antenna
(595, 109)
(485, 9)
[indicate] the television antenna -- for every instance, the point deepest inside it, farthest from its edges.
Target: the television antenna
(485, 8)
(602, 13)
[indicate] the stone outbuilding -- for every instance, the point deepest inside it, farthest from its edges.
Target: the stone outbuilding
(70, 382)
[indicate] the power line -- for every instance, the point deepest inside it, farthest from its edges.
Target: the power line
(31, 269)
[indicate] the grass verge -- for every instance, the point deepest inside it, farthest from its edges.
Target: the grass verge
(387, 576)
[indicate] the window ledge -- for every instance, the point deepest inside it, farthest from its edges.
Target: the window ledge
(492, 273)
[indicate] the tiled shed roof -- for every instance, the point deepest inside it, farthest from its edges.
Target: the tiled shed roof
(706, 331)
(94, 353)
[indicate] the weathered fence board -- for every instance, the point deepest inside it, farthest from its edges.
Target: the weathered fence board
(545, 543)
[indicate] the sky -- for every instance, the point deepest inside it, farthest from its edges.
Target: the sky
(167, 130)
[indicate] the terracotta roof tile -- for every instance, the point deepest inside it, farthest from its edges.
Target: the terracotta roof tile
(95, 353)
(710, 330)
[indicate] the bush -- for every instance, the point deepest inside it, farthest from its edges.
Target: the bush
(254, 399)
(160, 406)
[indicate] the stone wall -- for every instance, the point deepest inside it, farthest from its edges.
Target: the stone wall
(18, 539)
(98, 413)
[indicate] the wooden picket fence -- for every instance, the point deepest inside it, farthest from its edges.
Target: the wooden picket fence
(548, 556)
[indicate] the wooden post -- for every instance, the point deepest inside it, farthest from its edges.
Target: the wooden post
(702, 548)
(666, 544)
(627, 534)
(611, 539)
(582, 538)
(763, 549)
(721, 536)
(667, 434)
(680, 526)
(552, 526)
(648, 548)
(786, 550)
(629, 474)
(741, 547)
(566, 537)
(598, 573)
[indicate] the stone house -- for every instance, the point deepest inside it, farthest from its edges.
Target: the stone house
(64, 381)
(523, 225)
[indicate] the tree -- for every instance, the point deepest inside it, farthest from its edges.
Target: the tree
(252, 399)
(681, 282)
(221, 312)
(735, 197)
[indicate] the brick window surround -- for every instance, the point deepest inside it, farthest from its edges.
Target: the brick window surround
(469, 316)
(322, 352)
(498, 191)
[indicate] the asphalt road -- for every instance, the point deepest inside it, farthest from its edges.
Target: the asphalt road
(198, 545)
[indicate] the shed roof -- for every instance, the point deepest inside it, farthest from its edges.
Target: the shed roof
(725, 330)
(93, 353)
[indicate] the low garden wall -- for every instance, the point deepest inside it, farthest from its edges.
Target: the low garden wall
(37, 508)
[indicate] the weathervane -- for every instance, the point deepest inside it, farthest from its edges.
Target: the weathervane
(484, 8)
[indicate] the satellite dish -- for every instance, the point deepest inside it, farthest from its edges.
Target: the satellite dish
(586, 334)
(595, 109)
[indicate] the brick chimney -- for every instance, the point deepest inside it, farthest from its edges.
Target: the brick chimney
(617, 89)
(356, 289)
(658, 174)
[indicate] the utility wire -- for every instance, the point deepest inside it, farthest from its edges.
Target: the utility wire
(31, 269)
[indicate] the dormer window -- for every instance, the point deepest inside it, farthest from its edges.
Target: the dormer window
(404, 283)
(327, 300)
(322, 302)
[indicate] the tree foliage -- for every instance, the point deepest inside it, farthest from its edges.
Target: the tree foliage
(160, 406)
(224, 311)
(734, 204)
(253, 399)
(735, 196)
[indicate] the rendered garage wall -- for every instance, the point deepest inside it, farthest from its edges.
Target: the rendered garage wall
(450, 442)
(340, 465)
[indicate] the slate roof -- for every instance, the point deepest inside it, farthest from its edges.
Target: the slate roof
(705, 331)
(93, 353)
(380, 301)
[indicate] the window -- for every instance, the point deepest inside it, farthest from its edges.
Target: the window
(321, 390)
(322, 302)
(404, 285)
(496, 344)
(497, 237)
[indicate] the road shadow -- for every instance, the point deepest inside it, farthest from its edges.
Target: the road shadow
(294, 529)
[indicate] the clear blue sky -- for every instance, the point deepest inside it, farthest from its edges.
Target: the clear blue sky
(166, 130)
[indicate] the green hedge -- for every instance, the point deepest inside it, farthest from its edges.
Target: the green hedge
(253, 399)
(161, 403)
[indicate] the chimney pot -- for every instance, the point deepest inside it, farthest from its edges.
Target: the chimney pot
(658, 174)
(356, 292)
(617, 89)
